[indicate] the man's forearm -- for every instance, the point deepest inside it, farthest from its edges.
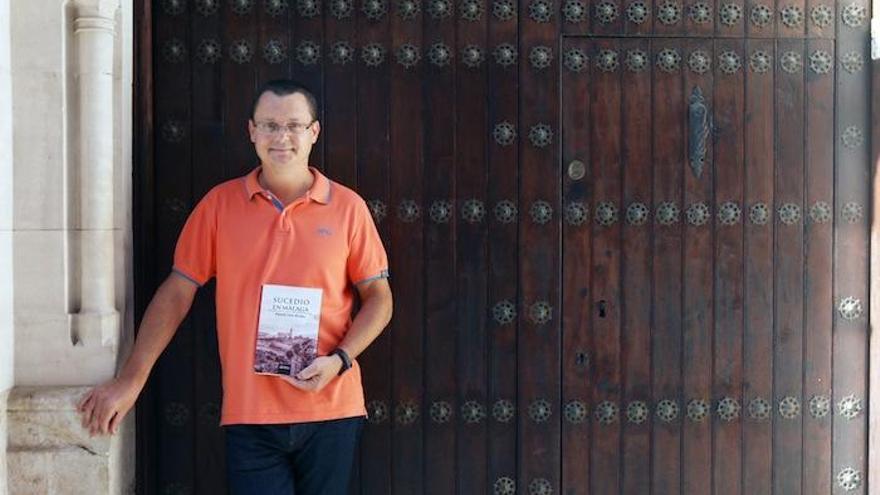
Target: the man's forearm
(371, 320)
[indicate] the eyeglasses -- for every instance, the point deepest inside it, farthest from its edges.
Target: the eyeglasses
(274, 129)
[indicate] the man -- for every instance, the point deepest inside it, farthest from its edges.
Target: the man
(282, 224)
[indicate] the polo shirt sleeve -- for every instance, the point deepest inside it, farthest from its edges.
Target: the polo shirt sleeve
(367, 259)
(195, 253)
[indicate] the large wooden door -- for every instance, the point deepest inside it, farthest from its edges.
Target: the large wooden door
(628, 240)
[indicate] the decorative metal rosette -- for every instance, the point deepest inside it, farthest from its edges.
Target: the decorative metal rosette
(637, 213)
(173, 131)
(759, 213)
(852, 212)
(667, 213)
(408, 55)
(575, 412)
(275, 52)
(606, 61)
(606, 213)
(308, 8)
(574, 11)
(207, 8)
(176, 414)
(606, 412)
(440, 211)
(820, 406)
(408, 211)
(667, 410)
(606, 12)
(341, 53)
(406, 412)
(698, 214)
(471, 10)
(504, 10)
(504, 133)
(852, 62)
(440, 412)
(541, 212)
(637, 412)
(761, 15)
(760, 409)
(729, 62)
(504, 486)
(789, 407)
(505, 54)
(440, 9)
(504, 312)
(791, 62)
(378, 209)
(503, 411)
(698, 410)
(373, 54)
(852, 137)
(638, 12)
(728, 409)
(505, 211)
(276, 8)
(377, 411)
(700, 61)
(472, 56)
(473, 412)
(540, 410)
(540, 313)
(792, 16)
(174, 51)
(540, 135)
(473, 211)
(790, 213)
(440, 54)
(729, 213)
(821, 62)
(241, 7)
(850, 308)
(308, 52)
(636, 60)
(822, 15)
(540, 486)
(849, 479)
(541, 10)
(240, 51)
(209, 414)
(209, 51)
(408, 9)
(341, 9)
(700, 12)
(668, 60)
(820, 212)
(854, 15)
(575, 60)
(576, 213)
(374, 9)
(669, 12)
(541, 57)
(173, 7)
(730, 14)
(849, 407)
(760, 61)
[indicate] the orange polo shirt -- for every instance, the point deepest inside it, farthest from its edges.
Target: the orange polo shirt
(242, 235)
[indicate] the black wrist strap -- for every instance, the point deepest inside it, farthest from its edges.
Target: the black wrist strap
(346, 361)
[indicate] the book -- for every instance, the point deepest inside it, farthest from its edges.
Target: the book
(287, 332)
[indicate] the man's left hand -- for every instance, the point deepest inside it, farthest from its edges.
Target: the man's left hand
(316, 375)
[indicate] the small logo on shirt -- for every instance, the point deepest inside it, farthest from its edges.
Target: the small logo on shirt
(325, 231)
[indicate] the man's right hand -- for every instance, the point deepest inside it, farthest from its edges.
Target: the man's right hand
(104, 407)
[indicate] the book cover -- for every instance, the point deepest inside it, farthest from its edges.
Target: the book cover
(287, 332)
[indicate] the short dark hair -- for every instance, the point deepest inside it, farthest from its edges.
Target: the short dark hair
(284, 87)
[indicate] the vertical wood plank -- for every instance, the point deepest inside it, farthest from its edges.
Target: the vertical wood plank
(340, 60)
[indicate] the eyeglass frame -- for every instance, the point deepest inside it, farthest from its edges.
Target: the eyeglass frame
(261, 128)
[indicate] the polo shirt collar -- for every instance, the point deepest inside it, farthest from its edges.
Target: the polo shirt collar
(320, 190)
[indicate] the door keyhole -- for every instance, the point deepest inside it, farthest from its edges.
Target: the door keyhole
(602, 309)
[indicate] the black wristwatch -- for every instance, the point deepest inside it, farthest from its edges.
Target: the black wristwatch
(346, 361)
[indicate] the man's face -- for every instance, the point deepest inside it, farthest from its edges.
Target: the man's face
(282, 130)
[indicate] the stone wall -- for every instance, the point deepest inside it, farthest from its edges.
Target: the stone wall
(6, 287)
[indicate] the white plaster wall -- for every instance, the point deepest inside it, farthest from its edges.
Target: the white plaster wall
(6, 286)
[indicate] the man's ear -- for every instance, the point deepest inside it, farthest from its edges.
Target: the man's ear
(316, 130)
(252, 130)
